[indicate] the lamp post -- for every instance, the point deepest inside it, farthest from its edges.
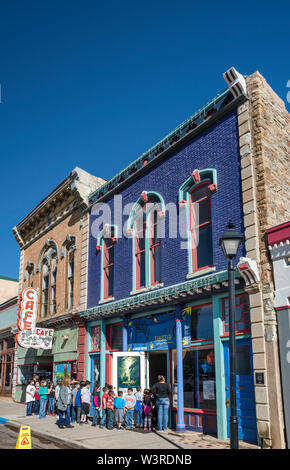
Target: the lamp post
(230, 242)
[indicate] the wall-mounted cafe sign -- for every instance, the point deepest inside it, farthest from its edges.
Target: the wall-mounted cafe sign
(29, 336)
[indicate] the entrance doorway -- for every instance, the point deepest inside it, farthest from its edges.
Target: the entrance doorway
(157, 365)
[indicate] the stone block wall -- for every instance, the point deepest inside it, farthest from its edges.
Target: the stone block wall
(264, 148)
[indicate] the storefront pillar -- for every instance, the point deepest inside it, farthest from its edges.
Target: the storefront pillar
(125, 335)
(180, 425)
(222, 432)
(103, 356)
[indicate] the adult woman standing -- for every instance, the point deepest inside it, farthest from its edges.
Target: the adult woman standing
(161, 391)
(63, 404)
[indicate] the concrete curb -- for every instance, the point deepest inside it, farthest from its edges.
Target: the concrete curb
(16, 425)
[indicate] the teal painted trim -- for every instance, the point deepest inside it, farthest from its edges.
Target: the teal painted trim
(146, 375)
(113, 181)
(168, 381)
(224, 295)
(147, 254)
(139, 203)
(219, 370)
(189, 184)
(134, 261)
(199, 343)
(88, 358)
(238, 337)
(196, 303)
(103, 232)
(114, 320)
(103, 357)
(159, 293)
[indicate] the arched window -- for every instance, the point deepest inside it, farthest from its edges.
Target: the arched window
(47, 266)
(195, 197)
(106, 245)
(44, 288)
(144, 225)
(68, 252)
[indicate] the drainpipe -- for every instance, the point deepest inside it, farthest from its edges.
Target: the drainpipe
(180, 425)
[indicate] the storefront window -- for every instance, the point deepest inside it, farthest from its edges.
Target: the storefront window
(95, 338)
(10, 343)
(96, 371)
(198, 378)
(114, 337)
(201, 323)
(25, 373)
(44, 371)
(243, 323)
(66, 369)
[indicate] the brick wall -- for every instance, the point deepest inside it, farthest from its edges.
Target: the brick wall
(217, 147)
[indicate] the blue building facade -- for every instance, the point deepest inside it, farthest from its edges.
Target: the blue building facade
(158, 304)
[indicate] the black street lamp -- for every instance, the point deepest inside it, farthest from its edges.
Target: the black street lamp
(230, 242)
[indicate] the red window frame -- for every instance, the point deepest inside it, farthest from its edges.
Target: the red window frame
(108, 268)
(193, 227)
(139, 251)
(95, 333)
(153, 226)
(109, 336)
(242, 331)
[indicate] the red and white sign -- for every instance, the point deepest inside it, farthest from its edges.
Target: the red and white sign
(30, 336)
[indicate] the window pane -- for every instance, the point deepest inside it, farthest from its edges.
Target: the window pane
(25, 373)
(10, 343)
(157, 263)
(198, 378)
(242, 320)
(111, 281)
(201, 323)
(204, 249)
(200, 192)
(95, 338)
(204, 211)
(116, 337)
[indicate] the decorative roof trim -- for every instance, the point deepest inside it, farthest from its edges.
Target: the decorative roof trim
(168, 294)
(205, 117)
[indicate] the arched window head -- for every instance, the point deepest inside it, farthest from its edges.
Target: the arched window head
(195, 197)
(145, 225)
(106, 241)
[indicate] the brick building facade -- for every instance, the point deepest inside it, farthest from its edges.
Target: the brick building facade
(53, 240)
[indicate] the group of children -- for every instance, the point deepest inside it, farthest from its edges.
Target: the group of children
(45, 398)
(122, 408)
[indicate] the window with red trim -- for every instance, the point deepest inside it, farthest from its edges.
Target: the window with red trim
(242, 317)
(201, 226)
(155, 249)
(108, 267)
(95, 338)
(140, 227)
(114, 337)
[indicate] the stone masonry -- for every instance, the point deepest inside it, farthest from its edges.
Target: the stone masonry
(264, 148)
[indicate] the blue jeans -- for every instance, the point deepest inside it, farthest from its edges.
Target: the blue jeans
(96, 415)
(129, 418)
(51, 402)
(42, 407)
(36, 407)
(162, 408)
(29, 408)
(103, 421)
(139, 417)
(60, 418)
(67, 415)
(73, 414)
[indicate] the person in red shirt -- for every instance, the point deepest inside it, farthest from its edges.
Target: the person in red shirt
(37, 399)
(104, 407)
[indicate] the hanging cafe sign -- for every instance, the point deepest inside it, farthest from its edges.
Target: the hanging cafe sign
(30, 336)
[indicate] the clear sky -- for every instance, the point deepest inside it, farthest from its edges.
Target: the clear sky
(95, 84)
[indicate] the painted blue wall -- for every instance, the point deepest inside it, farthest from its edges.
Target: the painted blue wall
(218, 148)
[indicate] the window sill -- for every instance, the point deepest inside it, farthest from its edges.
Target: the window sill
(104, 301)
(201, 272)
(147, 289)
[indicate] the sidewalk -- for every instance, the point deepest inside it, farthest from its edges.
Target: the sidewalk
(88, 437)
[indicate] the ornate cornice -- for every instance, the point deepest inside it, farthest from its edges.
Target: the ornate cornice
(184, 292)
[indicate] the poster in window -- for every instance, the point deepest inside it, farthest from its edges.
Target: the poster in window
(128, 372)
(62, 371)
(208, 390)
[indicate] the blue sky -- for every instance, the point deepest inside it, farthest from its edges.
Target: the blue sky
(95, 84)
